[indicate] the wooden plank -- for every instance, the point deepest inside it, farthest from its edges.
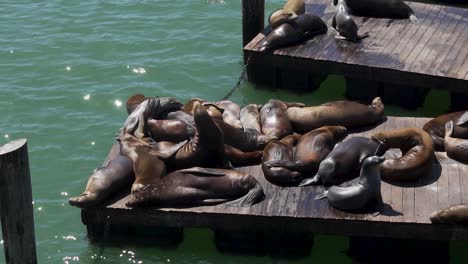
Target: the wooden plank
(454, 184)
(463, 169)
(443, 197)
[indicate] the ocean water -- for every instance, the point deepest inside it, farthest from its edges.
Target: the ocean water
(67, 68)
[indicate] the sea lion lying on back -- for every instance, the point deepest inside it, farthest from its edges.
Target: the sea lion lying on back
(456, 148)
(417, 158)
(338, 113)
(290, 11)
(200, 186)
(436, 127)
(231, 113)
(274, 118)
(250, 117)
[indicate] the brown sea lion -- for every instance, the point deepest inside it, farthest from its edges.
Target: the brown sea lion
(436, 127)
(105, 181)
(311, 149)
(338, 113)
(456, 148)
(276, 150)
(200, 186)
(417, 154)
(250, 117)
(274, 118)
(189, 106)
(133, 102)
(248, 140)
(344, 161)
(213, 110)
(169, 130)
(455, 214)
(231, 113)
(289, 12)
(363, 195)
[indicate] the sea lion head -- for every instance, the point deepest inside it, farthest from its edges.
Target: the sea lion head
(133, 102)
(448, 215)
(168, 104)
(372, 161)
(280, 16)
(378, 106)
(214, 110)
(339, 132)
(188, 107)
(326, 168)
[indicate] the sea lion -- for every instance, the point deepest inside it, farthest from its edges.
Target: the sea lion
(456, 148)
(311, 149)
(231, 113)
(248, 140)
(133, 102)
(365, 194)
(344, 24)
(337, 113)
(213, 110)
(455, 214)
(393, 9)
(200, 186)
(241, 158)
(417, 154)
(436, 127)
(276, 150)
(169, 130)
(250, 117)
(274, 118)
(288, 13)
(344, 161)
(189, 105)
(106, 180)
(304, 27)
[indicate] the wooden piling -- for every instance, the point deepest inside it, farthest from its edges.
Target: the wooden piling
(253, 12)
(16, 203)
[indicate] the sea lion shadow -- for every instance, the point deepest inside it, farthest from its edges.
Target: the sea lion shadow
(360, 129)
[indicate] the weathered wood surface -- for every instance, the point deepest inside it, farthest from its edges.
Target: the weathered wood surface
(406, 214)
(431, 54)
(16, 203)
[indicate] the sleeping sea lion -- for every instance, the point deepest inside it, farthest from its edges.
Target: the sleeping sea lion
(200, 186)
(288, 13)
(436, 127)
(311, 149)
(274, 118)
(337, 113)
(304, 27)
(250, 117)
(231, 113)
(169, 130)
(276, 150)
(456, 148)
(365, 194)
(455, 214)
(417, 158)
(344, 161)
(248, 140)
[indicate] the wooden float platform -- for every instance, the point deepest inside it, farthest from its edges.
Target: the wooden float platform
(431, 54)
(293, 209)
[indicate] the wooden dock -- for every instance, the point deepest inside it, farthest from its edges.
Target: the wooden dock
(293, 209)
(431, 54)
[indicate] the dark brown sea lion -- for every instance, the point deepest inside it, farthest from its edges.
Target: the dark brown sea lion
(436, 127)
(363, 195)
(274, 118)
(241, 158)
(417, 154)
(456, 148)
(395, 9)
(250, 117)
(231, 113)
(276, 150)
(248, 140)
(311, 149)
(106, 180)
(289, 12)
(133, 102)
(338, 113)
(169, 130)
(345, 25)
(189, 105)
(200, 186)
(344, 161)
(304, 27)
(213, 110)
(455, 214)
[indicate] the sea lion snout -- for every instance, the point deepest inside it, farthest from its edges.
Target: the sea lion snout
(373, 160)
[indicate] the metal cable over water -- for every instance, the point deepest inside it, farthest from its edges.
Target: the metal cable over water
(241, 78)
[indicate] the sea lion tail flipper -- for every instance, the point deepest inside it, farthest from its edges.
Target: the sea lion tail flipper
(311, 181)
(363, 36)
(449, 129)
(170, 151)
(321, 196)
(292, 165)
(254, 196)
(330, 8)
(414, 19)
(199, 171)
(463, 120)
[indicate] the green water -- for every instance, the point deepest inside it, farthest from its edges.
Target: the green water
(66, 65)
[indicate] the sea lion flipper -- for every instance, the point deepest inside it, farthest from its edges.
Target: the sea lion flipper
(170, 151)
(321, 196)
(449, 129)
(199, 171)
(311, 181)
(463, 119)
(414, 19)
(254, 196)
(292, 165)
(294, 104)
(330, 9)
